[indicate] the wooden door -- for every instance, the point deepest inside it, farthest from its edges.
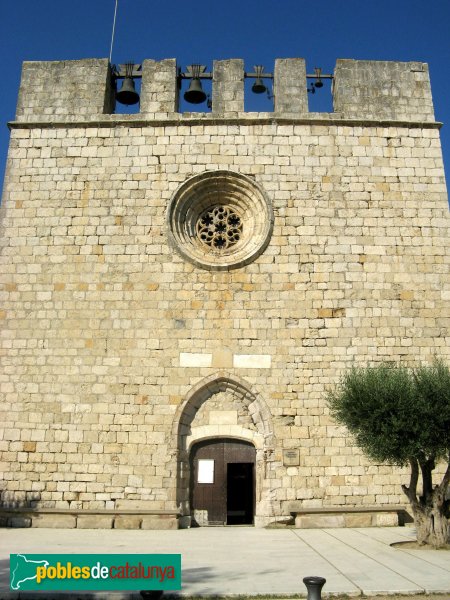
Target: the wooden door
(222, 482)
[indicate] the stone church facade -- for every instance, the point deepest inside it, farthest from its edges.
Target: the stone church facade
(178, 292)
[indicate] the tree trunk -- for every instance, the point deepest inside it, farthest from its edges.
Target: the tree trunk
(431, 510)
(432, 525)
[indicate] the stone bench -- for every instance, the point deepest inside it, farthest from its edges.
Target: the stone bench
(71, 518)
(347, 516)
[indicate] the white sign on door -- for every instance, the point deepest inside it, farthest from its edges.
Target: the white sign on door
(205, 471)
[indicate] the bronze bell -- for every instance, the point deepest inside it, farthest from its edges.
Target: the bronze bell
(195, 94)
(318, 72)
(127, 93)
(258, 87)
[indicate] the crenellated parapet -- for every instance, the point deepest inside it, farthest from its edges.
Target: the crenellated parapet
(57, 89)
(290, 94)
(159, 91)
(361, 89)
(370, 89)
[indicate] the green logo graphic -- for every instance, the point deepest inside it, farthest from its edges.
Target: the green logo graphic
(62, 572)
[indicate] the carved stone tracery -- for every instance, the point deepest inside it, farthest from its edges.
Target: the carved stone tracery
(219, 227)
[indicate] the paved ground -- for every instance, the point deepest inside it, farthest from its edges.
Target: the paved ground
(245, 560)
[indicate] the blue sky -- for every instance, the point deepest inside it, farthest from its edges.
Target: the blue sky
(256, 30)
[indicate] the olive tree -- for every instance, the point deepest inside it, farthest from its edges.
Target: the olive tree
(401, 417)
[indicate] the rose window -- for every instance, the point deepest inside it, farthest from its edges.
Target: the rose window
(219, 220)
(219, 227)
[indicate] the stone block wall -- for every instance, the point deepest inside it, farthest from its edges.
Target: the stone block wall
(289, 87)
(159, 93)
(63, 89)
(228, 86)
(367, 89)
(113, 343)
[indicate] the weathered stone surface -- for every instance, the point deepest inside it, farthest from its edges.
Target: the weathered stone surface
(386, 519)
(128, 504)
(223, 417)
(289, 86)
(319, 521)
(54, 521)
(228, 86)
(127, 522)
(19, 522)
(159, 522)
(222, 358)
(358, 520)
(252, 361)
(183, 522)
(56, 90)
(159, 86)
(189, 359)
(372, 89)
(94, 522)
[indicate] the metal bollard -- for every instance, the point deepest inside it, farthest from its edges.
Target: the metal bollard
(314, 586)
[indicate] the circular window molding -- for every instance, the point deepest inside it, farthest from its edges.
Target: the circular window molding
(220, 220)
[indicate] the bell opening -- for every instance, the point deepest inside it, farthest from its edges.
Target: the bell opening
(256, 98)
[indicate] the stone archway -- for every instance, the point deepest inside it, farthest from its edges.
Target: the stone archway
(225, 406)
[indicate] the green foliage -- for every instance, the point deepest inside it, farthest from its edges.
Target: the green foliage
(394, 413)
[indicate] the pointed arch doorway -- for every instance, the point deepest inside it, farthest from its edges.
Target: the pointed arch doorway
(222, 486)
(225, 407)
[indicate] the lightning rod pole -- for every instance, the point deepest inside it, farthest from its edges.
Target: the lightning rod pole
(113, 31)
